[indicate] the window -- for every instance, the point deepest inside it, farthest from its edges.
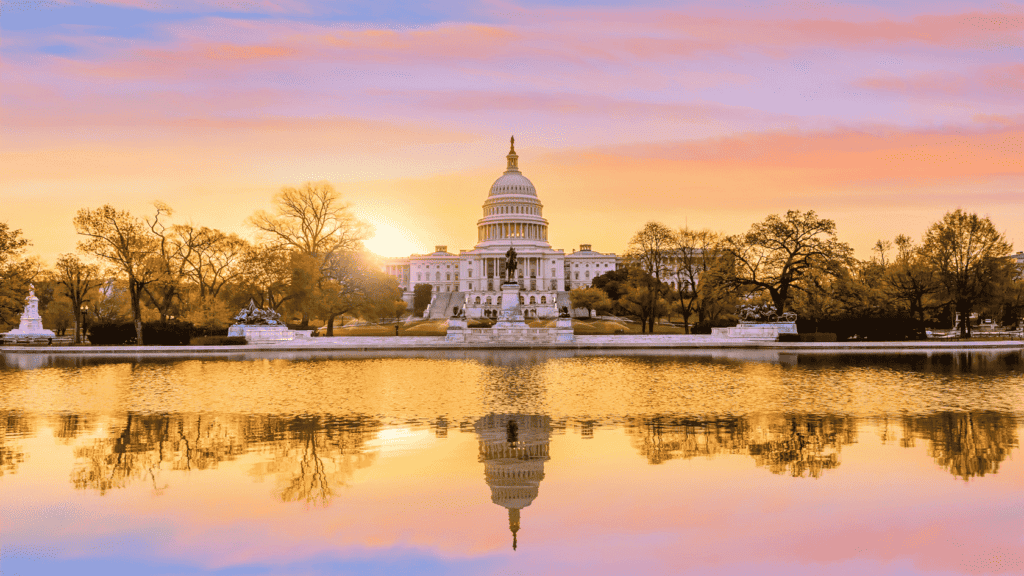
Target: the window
(469, 273)
(488, 300)
(477, 300)
(470, 285)
(437, 276)
(533, 300)
(588, 274)
(419, 276)
(448, 276)
(543, 299)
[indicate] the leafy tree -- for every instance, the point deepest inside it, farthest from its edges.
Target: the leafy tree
(15, 273)
(58, 315)
(968, 255)
(354, 284)
(591, 299)
(77, 278)
(776, 256)
(909, 278)
(648, 251)
(644, 299)
(421, 298)
(614, 283)
(128, 244)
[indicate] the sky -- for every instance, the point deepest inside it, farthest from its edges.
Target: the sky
(879, 115)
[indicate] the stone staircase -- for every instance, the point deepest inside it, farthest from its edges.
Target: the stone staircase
(441, 307)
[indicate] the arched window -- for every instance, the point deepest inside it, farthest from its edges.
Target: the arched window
(477, 300)
(448, 276)
(543, 299)
(488, 300)
(533, 300)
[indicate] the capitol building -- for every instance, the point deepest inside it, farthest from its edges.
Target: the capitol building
(513, 216)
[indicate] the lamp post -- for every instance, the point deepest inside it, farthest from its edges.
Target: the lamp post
(84, 314)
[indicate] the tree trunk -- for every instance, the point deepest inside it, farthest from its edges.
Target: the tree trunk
(305, 320)
(330, 325)
(133, 291)
(78, 323)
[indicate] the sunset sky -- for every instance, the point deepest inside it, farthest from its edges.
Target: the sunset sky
(879, 115)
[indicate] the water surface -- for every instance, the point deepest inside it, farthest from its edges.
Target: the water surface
(513, 462)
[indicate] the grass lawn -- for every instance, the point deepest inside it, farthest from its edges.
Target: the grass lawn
(597, 327)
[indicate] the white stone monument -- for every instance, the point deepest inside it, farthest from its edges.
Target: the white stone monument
(31, 325)
(511, 313)
(259, 325)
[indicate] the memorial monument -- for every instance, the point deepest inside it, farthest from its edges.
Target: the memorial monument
(511, 313)
(259, 325)
(30, 328)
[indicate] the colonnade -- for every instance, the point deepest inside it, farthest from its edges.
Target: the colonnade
(505, 230)
(530, 268)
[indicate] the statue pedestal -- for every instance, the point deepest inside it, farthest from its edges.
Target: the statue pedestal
(261, 333)
(511, 313)
(30, 327)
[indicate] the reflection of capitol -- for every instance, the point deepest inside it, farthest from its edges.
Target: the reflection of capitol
(513, 448)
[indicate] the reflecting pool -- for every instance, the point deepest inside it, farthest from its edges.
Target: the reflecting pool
(499, 462)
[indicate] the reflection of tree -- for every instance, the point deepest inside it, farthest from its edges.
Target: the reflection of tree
(965, 443)
(143, 445)
(800, 445)
(660, 439)
(312, 455)
(12, 425)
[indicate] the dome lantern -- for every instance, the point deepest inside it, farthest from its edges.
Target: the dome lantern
(513, 158)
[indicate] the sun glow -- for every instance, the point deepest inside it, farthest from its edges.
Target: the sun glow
(391, 240)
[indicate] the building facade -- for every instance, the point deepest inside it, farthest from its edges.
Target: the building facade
(513, 216)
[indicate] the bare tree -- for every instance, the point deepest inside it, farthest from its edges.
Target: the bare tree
(312, 220)
(127, 243)
(314, 223)
(694, 254)
(213, 258)
(78, 278)
(649, 250)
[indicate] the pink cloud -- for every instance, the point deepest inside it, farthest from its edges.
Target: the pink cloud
(1003, 81)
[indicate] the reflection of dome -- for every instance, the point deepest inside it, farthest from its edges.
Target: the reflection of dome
(513, 448)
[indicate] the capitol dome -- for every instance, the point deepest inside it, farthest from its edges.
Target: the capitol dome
(512, 181)
(513, 212)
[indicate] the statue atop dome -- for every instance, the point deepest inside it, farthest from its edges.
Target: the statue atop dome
(513, 158)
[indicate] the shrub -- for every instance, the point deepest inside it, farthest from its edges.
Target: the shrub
(818, 337)
(218, 341)
(790, 337)
(112, 333)
(171, 333)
